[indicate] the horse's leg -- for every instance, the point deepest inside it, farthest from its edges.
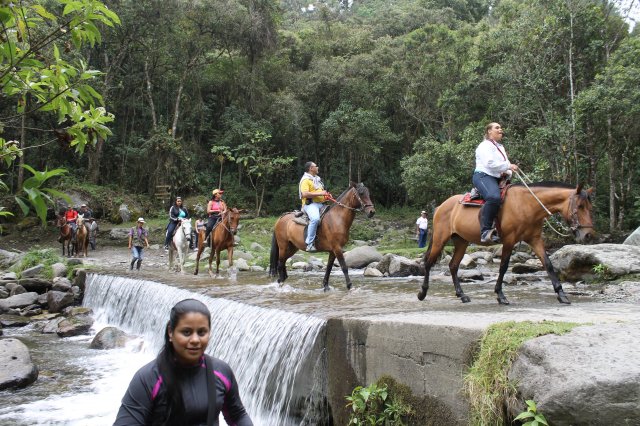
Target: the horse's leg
(229, 256)
(200, 250)
(213, 253)
(218, 251)
(325, 281)
(343, 266)
(507, 249)
(538, 247)
(460, 247)
(430, 257)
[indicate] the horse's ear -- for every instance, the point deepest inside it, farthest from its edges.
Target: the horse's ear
(590, 192)
(352, 184)
(579, 188)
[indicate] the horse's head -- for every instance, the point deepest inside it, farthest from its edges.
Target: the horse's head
(362, 194)
(580, 216)
(80, 220)
(186, 228)
(233, 219)
(61, 221)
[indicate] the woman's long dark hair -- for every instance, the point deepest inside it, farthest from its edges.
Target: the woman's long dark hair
(171, 379)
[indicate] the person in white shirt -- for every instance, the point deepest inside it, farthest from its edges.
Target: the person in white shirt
(492, 163)
(422, 224)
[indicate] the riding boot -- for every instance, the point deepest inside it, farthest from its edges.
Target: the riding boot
(139, 263)
(132, 262)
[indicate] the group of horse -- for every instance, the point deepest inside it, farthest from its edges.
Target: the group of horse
(521, 218)
(81, 241)
(222, 238)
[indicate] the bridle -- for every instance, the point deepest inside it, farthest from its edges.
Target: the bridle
(573, 210)
(360, 202)
(226, 217)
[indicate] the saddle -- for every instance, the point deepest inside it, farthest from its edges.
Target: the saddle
(474, 199)
(301, 218)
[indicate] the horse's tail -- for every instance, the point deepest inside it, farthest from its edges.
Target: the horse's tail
(273, 258)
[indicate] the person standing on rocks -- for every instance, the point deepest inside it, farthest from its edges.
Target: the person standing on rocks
(183, 385)
(138, 239)
(422, 226)
(93, 232)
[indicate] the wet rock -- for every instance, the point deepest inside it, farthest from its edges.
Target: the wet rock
(300, 265)
(17, 370)
(523, 268)
(61, 284)
(588, 370)
(77, 310)
(34, 271)
(17, 289)
(360, 257)
(7, 321)
(3, 293)
(241, 264)
(372, 271)
(575, 262)
(467, 262)
(109, 338)
(31, 311)
(256, 268)
(39, 285)
(74, 326)
(59, 269)
(18, 301)
(634, 238)
(469, 275)
(57, 300)
(403, 267)
(484, 255)
(52, 325)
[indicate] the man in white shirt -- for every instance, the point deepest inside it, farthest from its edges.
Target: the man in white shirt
(422, 224)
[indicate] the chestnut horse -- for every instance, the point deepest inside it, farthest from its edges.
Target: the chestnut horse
(520, 219)
(332, 234)
(221, 238)
(82, 237)
(65, 235)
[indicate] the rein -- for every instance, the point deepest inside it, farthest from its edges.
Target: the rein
(358, 209)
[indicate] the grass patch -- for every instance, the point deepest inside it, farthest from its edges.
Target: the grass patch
(486, 383)
(37, 256)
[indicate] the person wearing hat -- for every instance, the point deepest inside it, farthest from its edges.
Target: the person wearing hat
(138, 239)
(85, 212)
(93, 232)
(176, 212)
(312, 193)
(215, 208)
(422, 224)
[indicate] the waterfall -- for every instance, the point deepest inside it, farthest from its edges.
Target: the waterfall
(274, 354)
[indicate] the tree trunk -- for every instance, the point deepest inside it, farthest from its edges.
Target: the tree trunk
(612, 177)
(149, 92)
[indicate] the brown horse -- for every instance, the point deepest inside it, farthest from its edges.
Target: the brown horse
(332, 234)
(520, 219)
(65, 235)
(82, 237)
(221, 239)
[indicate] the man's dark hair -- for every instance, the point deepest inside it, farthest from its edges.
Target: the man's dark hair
(307, 166)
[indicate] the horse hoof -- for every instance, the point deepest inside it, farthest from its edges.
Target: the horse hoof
(503, 301)
(325, 288)
(562, 298)
(422, 295)
(465, 299)
(349, 286)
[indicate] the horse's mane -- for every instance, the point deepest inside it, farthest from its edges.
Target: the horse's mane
(548, 184)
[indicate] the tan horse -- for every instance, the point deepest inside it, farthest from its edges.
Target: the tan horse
(520, 218)
(66, 235)
(332, 234)
(82, 237)
(221, 239)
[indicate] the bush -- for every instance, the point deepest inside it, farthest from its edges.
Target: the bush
(36, 256)
(375, 405)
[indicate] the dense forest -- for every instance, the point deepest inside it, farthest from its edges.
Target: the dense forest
(239, 94)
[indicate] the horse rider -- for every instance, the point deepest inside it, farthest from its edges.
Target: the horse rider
(85, 211)
(312, 194)
(215, 209)
(71, 215)
(492, 164)
(176, 212)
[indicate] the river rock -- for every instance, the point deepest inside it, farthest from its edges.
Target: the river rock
(74, 326)
(242, 255)
(575, 262)
(467, 262)
(31, 311)
(39, 285)
(57, 300)
(3, 293)
(524, 268)
(372, 271)
(589, 376)
(9, 276)
(484, 255)
(8, 258)
(59, 269)
(61, 284)
(13, 321)
(17, 370)
(109, 338)
(119, 233)
(241, 264)
(398, 266)
(256, 268)
(18, 301)
(469, 275)
(17, 289)
(360, 257)
(52, 325)
(34, 271)
(256, 247)
(301, 265)
(634, 238)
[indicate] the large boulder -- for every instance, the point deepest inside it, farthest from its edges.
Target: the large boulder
(18, 301)
(576, 262)
(362, 256)
(633, 239)
(109, 338)
(589, 376)
(38, 285)
(399, 266)
(119, 233)
(59, 269)
(17, 370)
(74, 326)
(57, 300)
(34, 271)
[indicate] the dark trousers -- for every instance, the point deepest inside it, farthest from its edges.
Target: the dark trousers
(170, 228)
(422, 238)
(489, 188)
(211, 223)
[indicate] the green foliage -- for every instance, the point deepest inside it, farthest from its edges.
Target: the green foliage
(532, 417)
(36, 195)
(373, 405)
(36, 256)
(603, 272)
(486, 383)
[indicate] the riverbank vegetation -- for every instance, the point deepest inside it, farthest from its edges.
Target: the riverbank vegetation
(486, 383)
(144, 95)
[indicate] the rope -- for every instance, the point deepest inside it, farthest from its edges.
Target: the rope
(523, 177)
